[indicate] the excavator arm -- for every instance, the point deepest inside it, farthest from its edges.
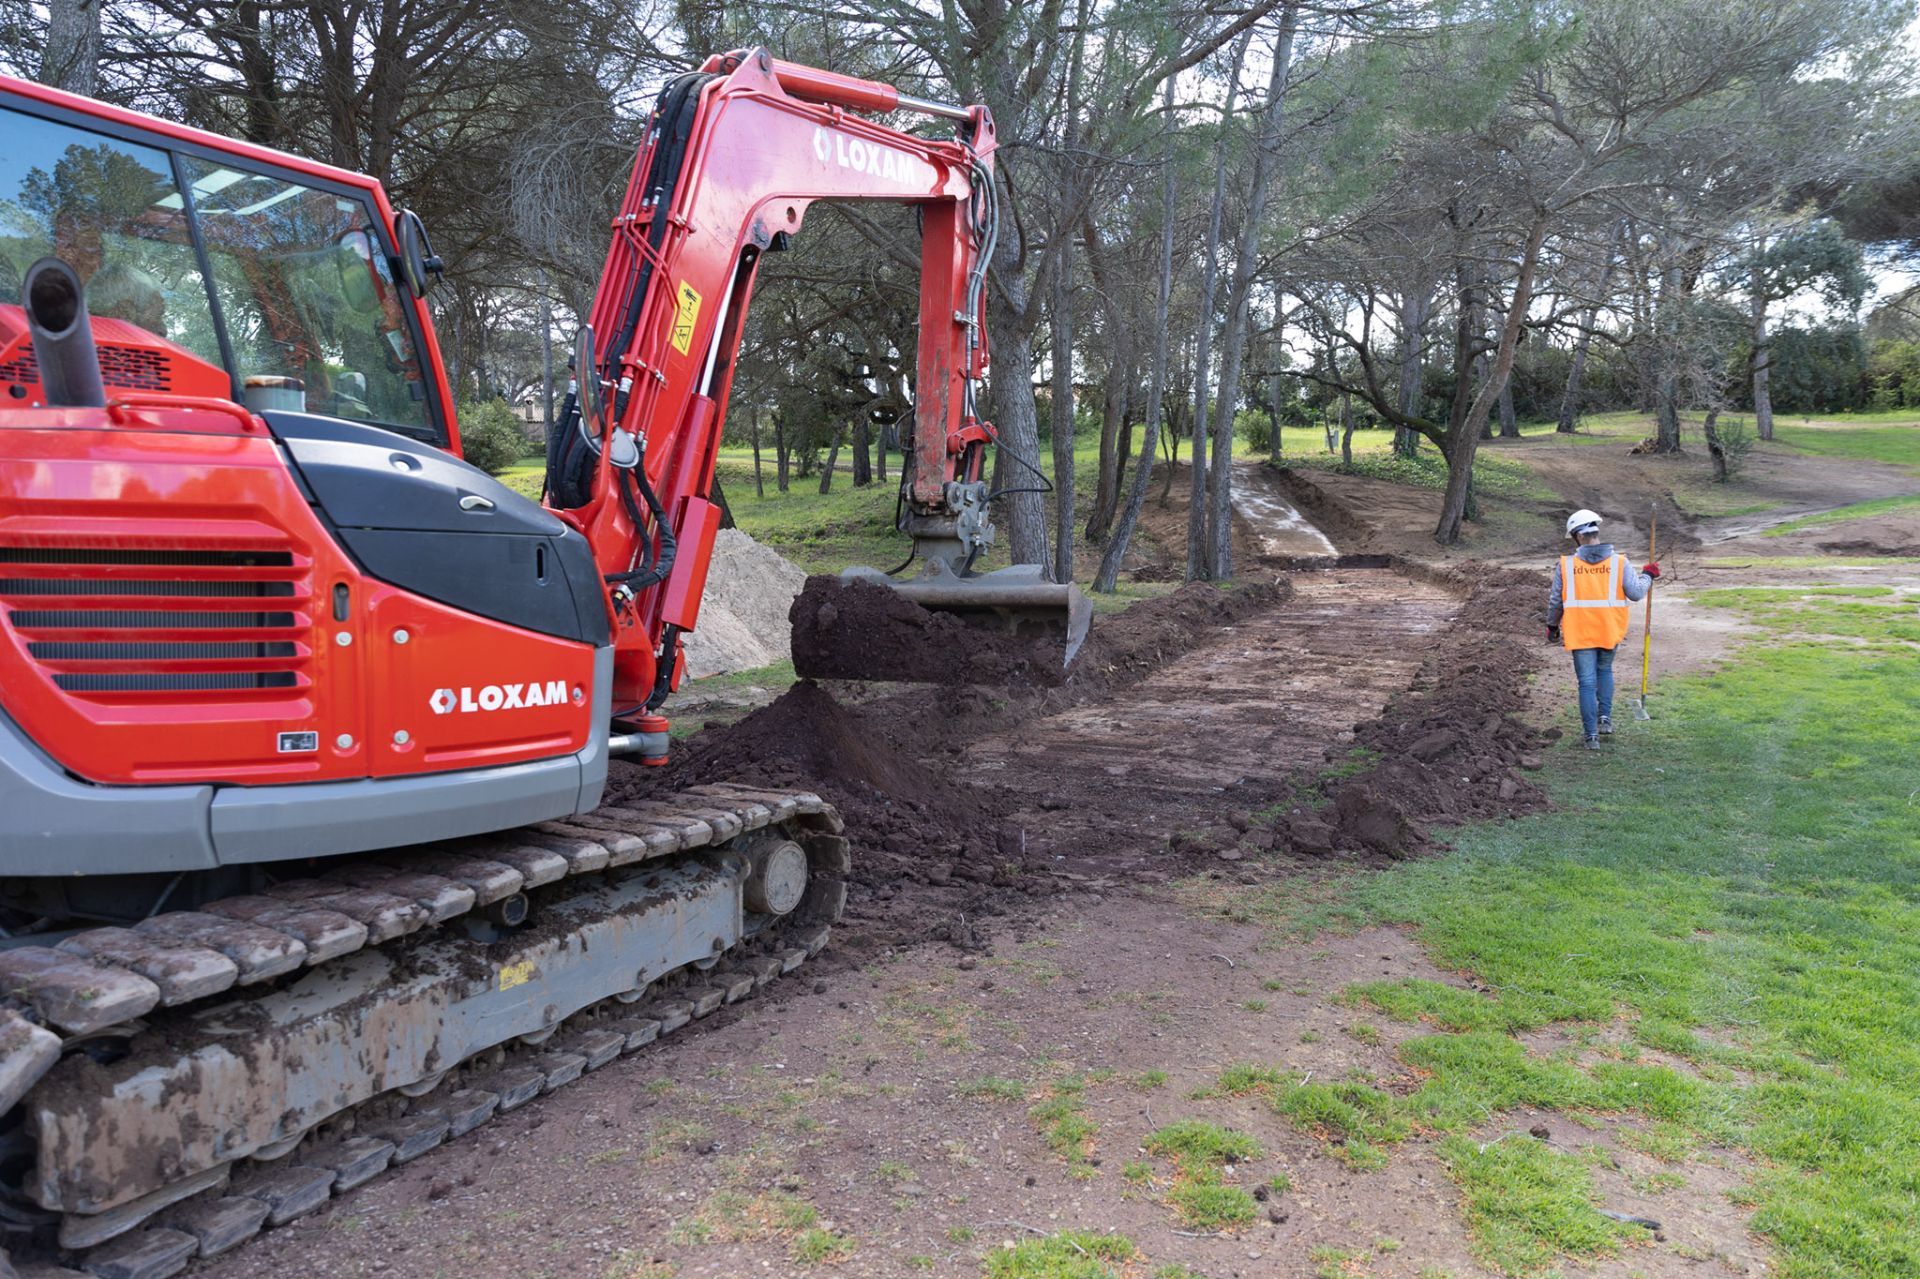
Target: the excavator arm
(733, 157)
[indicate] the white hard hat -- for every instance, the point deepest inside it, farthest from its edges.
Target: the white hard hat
(1582, 521)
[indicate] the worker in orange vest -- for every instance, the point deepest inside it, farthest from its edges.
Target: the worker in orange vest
(1588, 614)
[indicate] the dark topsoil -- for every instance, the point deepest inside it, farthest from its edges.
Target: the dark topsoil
(933, 858)
(1452, 748)
(864, 630)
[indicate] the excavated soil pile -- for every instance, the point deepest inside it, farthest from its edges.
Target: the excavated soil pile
(1452, 748)
(932, 855)
(863, 630)
(911, 824)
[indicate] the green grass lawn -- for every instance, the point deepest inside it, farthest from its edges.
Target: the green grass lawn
(1736, 883)
(1839, 515)
(1865, 438)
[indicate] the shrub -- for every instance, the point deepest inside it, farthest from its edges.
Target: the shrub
(1736, 443)
(490, 436)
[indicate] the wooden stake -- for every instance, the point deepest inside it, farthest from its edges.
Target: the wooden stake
(1646, 629)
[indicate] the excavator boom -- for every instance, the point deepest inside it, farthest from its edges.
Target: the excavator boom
(735, 154)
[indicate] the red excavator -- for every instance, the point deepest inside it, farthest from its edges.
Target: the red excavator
(305, 722)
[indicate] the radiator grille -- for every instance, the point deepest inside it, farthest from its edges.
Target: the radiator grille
(142, 622)
(133, 368)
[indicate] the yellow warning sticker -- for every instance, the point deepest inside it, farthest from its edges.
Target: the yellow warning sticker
(519, 974)
(683, 322)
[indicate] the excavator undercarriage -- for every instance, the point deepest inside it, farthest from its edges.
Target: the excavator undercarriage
(340, 1023)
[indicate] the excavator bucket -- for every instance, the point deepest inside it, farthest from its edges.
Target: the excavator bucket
(1010, 626)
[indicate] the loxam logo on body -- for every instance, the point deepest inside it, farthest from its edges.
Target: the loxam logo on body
(498, 697)
(870, 158)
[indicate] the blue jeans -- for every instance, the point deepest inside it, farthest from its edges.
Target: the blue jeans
(1593, 667)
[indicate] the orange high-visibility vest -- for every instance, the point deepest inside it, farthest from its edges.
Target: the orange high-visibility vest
(1594, 597)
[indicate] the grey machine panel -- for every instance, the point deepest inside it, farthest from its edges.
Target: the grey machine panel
(52, 824)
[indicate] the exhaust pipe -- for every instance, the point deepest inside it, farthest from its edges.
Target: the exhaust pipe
(56, 307)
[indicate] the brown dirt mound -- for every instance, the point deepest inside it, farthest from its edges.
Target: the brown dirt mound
(910, 823)
(863, 630)
(933, 857)
(1453, 747)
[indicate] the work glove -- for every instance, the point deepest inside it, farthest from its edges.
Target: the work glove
(1651, 570)
(1553, 634)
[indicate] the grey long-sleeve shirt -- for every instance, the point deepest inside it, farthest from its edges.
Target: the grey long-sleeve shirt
(1633, 579)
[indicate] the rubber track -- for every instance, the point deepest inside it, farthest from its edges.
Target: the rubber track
(97, 980)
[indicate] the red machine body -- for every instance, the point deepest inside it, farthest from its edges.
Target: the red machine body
(175, 603)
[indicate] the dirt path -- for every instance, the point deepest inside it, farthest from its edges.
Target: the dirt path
(1221, 728)
(1278, 526)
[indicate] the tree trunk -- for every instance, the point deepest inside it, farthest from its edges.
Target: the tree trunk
(1113, 416)
(1109, 572)
(1415, 305)
(1346, 430)
(71, 60)
(1576, 372)
(1466, 440)
(833, 459)
(1173, 457)
(1014, 413)
(1276, 445)
(1240, 300)
(1509, 424)
(880, 453)
(1762, 353)
(1667, 312)
(718, 496)
(781, 453)
(1714, 448)
(862, 450)
(1203, 336)
(1118, 391)
(759, 481)
(1060, 415)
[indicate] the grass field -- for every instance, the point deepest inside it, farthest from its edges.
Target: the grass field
(1767, 941)
(1840, 515)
